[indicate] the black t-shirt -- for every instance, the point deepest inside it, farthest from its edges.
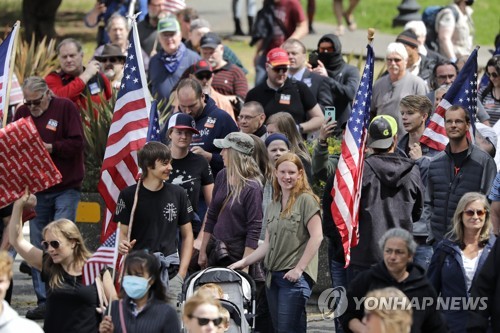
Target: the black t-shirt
(71, 308)
(293, 97)
(191, 173)
(156, 217)
(459, 158)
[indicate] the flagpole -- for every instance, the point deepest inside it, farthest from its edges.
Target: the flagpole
(11, 72)
(115, 262)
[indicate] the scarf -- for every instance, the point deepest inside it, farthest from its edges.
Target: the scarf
(172, 61)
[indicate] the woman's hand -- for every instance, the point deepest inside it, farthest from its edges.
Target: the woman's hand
(202, 259)
(125, 246)
(237, 265)
(106, 325)
(293, 275)
(27, 200)
(327, 128)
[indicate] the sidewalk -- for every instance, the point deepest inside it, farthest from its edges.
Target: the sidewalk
(219, 14)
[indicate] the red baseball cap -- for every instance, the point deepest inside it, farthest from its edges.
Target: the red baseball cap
(278, 57)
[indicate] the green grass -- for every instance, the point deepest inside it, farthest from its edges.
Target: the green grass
(380, 13)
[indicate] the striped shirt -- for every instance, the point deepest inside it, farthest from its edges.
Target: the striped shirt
(230, 80)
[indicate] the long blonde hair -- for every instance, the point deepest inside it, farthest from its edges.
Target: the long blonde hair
(302, 185)
(286, 125)
(393, 307)
(240, 170)
(68, 230)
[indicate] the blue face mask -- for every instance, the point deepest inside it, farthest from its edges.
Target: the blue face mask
(135, 286)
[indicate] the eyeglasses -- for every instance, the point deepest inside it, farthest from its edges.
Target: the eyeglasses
(55, 244)
(493, 75)
(35, 102)
(396, 60)
(444, 77)
(280, 70)
(244, 117)
(112, 60)
(471, 212)
(204, 76)
(205, 321)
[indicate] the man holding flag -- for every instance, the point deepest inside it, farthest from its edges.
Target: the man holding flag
(462, 167)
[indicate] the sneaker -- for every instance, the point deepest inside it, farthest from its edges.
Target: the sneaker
(25, 268)
(37, 313)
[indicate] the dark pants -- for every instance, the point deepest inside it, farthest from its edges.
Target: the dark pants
(39, 18)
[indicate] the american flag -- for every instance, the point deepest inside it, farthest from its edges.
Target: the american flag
(6, 49)
(463, 91)
(174, 6)
(346, 189)
(127, 133)
(105, 256)
(154, 123)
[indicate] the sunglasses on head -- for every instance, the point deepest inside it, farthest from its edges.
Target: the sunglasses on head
(205, 321)
(204, 76)
(471, 212)
(35, 102)
(55, 244)
(280, 70)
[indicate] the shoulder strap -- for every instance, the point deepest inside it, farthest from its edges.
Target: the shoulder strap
(122, 318)
(277, 20)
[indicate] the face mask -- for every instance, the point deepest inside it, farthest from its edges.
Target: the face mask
(469, 2)
(135, 286)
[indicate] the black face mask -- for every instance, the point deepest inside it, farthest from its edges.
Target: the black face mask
(469, 2)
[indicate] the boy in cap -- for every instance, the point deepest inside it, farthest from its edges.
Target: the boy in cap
(391, 194)
(281, 93)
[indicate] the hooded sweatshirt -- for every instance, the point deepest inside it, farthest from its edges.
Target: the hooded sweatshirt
(416, 287)
(11, 322)
(391, 197)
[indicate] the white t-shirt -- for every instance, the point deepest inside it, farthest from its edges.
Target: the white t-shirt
(470, 266)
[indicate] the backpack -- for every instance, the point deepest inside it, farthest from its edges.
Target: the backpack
(429, 16)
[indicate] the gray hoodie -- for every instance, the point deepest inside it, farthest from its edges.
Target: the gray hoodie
(11, 322)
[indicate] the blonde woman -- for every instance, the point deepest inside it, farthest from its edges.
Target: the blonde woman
(459, 257)
(393, 319)
(71, 306)
(202, 313)
(290, 248)
(234, 217)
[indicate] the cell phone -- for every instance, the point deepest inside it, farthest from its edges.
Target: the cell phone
(330, 113)
(313, 59)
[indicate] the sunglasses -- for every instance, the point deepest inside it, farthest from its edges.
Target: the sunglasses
(396, 60)
(204, 76)
(205, 321)
(112, 60)
(35, 102)
(493, 75)
(471, 212)
(280, 70)
(55, 244)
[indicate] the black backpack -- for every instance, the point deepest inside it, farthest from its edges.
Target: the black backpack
(429, 18)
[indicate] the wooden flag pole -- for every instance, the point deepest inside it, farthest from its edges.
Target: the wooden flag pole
(11, 72)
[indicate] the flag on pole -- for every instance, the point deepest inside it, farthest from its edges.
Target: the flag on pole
(346, 191)
(174, 6)
(463, 91)
(154, 123)
(105, 256)
(6, 49)
(128, 131)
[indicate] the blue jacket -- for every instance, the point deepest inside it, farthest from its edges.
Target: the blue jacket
(213, 123)
(446, 273)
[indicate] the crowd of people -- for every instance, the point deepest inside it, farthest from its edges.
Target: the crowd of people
(230, 183)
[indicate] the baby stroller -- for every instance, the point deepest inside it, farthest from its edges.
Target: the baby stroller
(239, 294)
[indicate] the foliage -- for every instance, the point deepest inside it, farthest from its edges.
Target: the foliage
(35, 59)
(96, 123)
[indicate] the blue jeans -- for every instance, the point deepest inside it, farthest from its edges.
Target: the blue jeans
(50, 207)
(423, 256)
(287, 303)
(339, 279)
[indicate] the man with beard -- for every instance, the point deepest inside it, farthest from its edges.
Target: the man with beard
(112, 62)
(342, 78)
(388, 90)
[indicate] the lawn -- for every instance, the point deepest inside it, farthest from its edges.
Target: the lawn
(486, 15)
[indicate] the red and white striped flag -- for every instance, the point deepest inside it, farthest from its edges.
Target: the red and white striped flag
(174, 6)
(127, 133)
(105, 256)
(346, 191)
(6, 49)
(463, 91)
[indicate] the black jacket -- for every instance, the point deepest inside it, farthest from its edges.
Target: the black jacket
(319, 87)
(445, 188)
(391, 197)
(426, 319)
